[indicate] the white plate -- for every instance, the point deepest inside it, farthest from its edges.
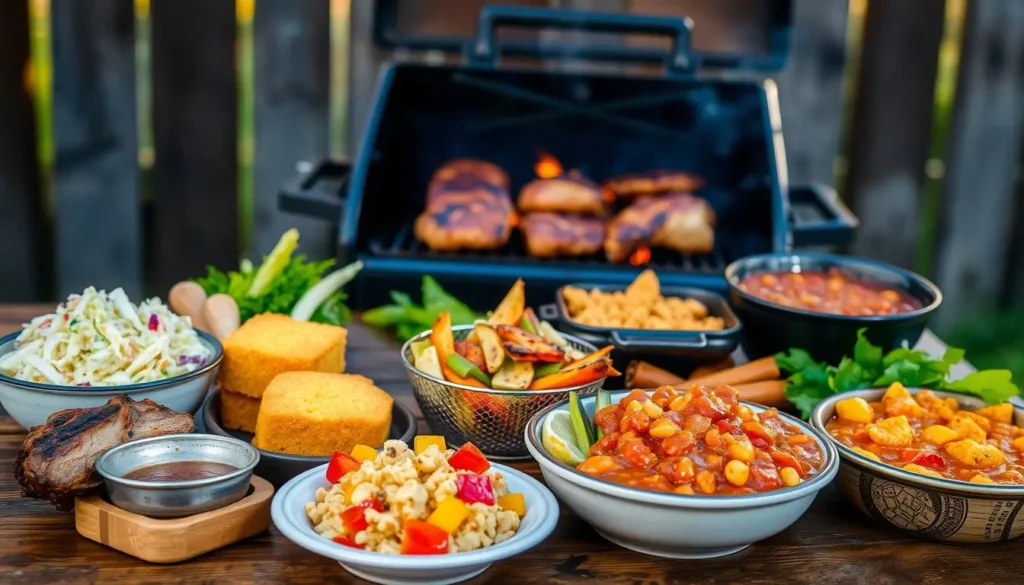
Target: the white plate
(289, 514)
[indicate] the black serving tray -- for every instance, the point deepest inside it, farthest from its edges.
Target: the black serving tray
(676, 350)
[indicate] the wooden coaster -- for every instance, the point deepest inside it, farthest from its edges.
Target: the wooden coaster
(171, 540)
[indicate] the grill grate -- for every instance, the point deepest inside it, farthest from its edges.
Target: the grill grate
(403, 244)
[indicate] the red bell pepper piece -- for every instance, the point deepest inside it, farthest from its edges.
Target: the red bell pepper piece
(475, 488)
(782, 459)
(469, 458)
(932, 460)
(354, 517)
(725, 426)
(423, 538)
(346, 541)
(341, 463)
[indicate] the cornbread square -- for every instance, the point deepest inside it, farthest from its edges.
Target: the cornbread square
(238, 411)
(313, 413)
(270, 344)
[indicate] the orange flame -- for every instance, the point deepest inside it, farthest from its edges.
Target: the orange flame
(547, 166)
(641, 256)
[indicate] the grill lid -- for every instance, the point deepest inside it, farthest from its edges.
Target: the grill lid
(740, 34)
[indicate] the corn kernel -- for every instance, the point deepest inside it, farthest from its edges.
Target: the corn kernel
(855, 409)
(679, 402)
(939, 435)
(684, 489)
(713, 461)
(663, 429)
(449, 514)
(915, 468)
(890, 295)
(713, 438)
(737, 473)
(745, 412)
(789, 476)
(363, 453)
(741, 452)
(421, 442)
(652, 410)
(865, 453)
(706, 482)
(513, 503)
(634, 406)
(981, 478)
(1018, 443)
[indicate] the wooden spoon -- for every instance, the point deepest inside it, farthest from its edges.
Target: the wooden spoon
(221, 313)
(187, 299)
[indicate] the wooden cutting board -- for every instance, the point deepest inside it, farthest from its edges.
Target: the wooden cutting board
(171, 540)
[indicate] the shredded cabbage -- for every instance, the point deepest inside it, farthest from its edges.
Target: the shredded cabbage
(100, 339)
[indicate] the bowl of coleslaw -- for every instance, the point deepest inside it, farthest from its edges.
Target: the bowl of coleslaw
(97, 345)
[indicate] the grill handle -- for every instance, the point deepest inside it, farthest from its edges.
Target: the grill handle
(833, 225)
(652, 340)
(484, 50)
(301, 197)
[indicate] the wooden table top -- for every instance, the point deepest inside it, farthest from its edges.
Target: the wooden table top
(832, 543)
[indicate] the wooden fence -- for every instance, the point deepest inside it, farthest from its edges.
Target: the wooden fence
(167, 159)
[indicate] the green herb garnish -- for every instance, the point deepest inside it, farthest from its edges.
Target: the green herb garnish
(410, 319)
(811, 381)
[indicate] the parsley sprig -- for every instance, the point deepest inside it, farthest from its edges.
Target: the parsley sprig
(811, 381)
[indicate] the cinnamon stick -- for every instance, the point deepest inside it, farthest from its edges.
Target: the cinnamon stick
(640, 374)
(755, 371)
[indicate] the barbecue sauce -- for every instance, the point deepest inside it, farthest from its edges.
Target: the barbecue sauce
(180, 471)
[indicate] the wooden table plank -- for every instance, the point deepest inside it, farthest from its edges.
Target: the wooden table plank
(831, 543)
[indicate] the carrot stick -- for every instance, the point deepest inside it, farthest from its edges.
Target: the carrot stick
(640, 374)
(709, 369)
(755, 371)
(767, 392)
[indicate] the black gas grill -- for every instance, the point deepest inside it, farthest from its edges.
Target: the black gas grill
(728, 132)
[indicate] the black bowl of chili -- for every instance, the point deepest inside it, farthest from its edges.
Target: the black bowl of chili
(818, 302)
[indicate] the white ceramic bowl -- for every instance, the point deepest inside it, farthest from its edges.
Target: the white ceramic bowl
(289, 514)
(674, 525)
(32, 403)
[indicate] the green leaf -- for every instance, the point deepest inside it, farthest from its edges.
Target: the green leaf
(904, 372)
(866, 354)
(903, 353)
(333, 311)
(953, 356)
(796, 360)
(385, 316)
(992, 386)
(804, 399)
(850, 375)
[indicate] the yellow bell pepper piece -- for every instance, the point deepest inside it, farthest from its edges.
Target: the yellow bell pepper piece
(513, 503)
(363, 453)
(421, 442)
(449, 514)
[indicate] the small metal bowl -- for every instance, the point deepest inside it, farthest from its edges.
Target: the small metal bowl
(174, 499)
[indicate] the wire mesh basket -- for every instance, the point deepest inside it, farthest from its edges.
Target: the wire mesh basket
(493, 420)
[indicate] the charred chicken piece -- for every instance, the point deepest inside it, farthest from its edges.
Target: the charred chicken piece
(679, 221)
(57, 460)
(467, 220)
(570, 193)
(550, 235)
(653, 183)
(467, 174)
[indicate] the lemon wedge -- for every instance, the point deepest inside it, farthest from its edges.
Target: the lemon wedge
(558, 438)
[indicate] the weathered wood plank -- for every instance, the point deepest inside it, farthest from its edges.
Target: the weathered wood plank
(98, 231)
(982, 160)
(292, 87)
(891, 130)
(22, 273)
(195, 132)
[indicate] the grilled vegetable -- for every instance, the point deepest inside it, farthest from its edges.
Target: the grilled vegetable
(590, 357)
(490, 343)
(530, 322)
(511, 308)
(428, 362)
(444, 342)
(524, 346)
(603, 399)
(547, 369)
(472, 352)
(513, 375)
(547, 331)
(582, 424)
(576, 377)
(465, 368)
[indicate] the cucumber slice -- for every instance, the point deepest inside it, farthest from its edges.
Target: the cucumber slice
(603, 399)
(582, 424)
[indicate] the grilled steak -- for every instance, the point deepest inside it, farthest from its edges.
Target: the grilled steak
(468, 208)
(677, 221)
(57, 461)
(570, 193)
(652, 183)
(549, 235)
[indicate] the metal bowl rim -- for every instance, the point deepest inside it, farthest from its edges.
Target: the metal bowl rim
(177, 485)
(952, 486)
(210, 340)
(840, 261)
(406, 348)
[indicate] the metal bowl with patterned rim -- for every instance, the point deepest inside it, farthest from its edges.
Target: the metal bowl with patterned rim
(938, 509)
(493, 420)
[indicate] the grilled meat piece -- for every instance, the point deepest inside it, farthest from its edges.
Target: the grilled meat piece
(469, 220)
(570, 193)
(57, 461)
(467, 174)
(652, 183)
(678, 221)
(549, 235)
